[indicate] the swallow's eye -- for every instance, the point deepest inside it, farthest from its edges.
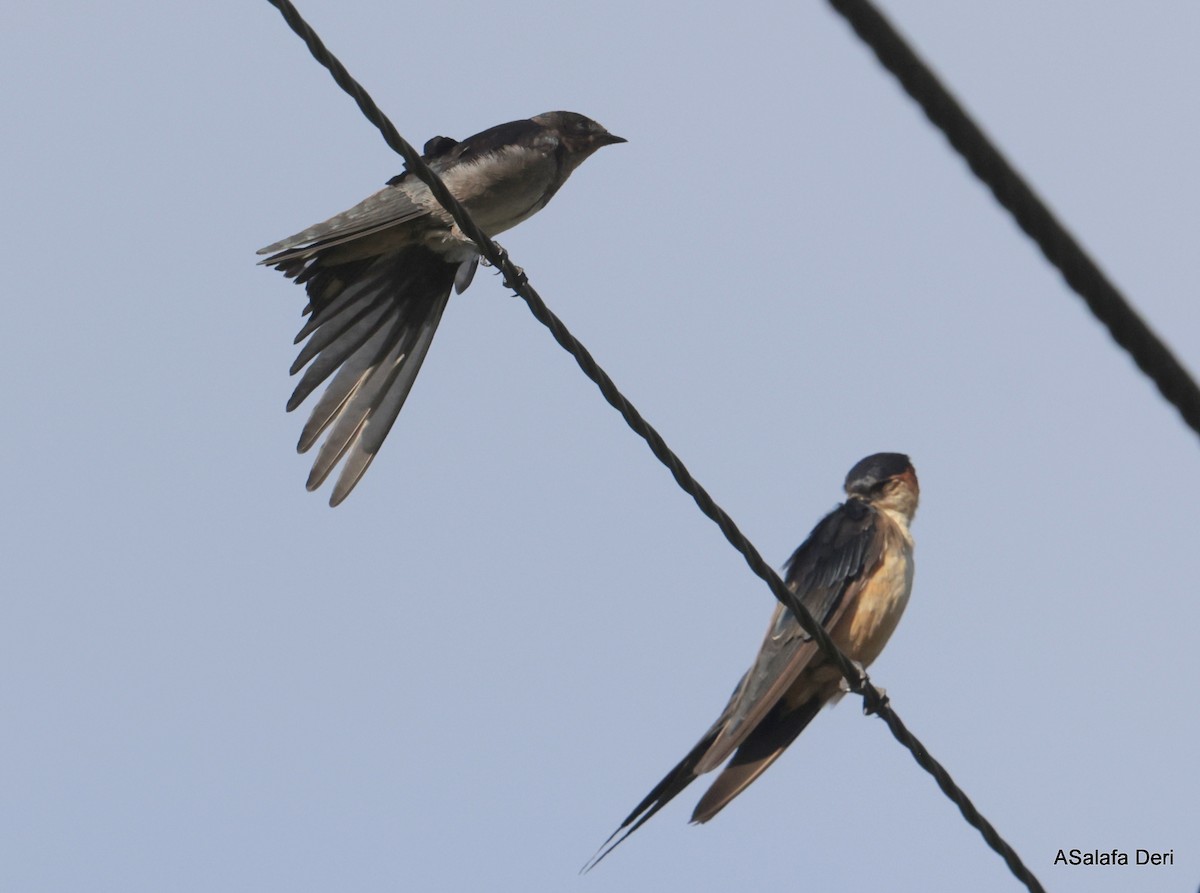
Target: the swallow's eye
(886, 486)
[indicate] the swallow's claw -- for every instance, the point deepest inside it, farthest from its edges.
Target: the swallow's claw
(844, 684)
(521, 278)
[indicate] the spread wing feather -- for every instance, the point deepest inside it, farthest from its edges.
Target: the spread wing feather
(371, 322)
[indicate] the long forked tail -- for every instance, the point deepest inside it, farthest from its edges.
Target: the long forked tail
(664, 792)
(371, 321)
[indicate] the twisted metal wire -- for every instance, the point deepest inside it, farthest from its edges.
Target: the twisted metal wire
(1082, 274)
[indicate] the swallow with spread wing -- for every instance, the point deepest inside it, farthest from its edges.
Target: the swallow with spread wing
(379, 275)
(854, 574)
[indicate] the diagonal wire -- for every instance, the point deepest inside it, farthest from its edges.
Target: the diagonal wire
(874, 700)
(1106, 303)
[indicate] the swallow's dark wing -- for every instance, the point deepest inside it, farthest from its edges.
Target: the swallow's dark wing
(828, 572)
(495, 139)
(386, 208)
(403, 199)
(823, 572)
(761, 747)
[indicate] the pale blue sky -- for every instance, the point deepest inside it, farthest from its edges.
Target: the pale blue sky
(464, 677)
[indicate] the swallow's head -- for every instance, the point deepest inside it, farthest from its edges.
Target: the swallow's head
(886, 480)
(580, 135)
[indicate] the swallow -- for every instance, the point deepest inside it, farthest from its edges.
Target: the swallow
(854, 574)
(378, 276)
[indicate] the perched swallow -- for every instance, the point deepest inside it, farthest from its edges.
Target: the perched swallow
(854, 574)
(379, 275)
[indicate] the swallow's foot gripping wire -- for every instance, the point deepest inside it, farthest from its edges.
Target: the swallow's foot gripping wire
(522, 279)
